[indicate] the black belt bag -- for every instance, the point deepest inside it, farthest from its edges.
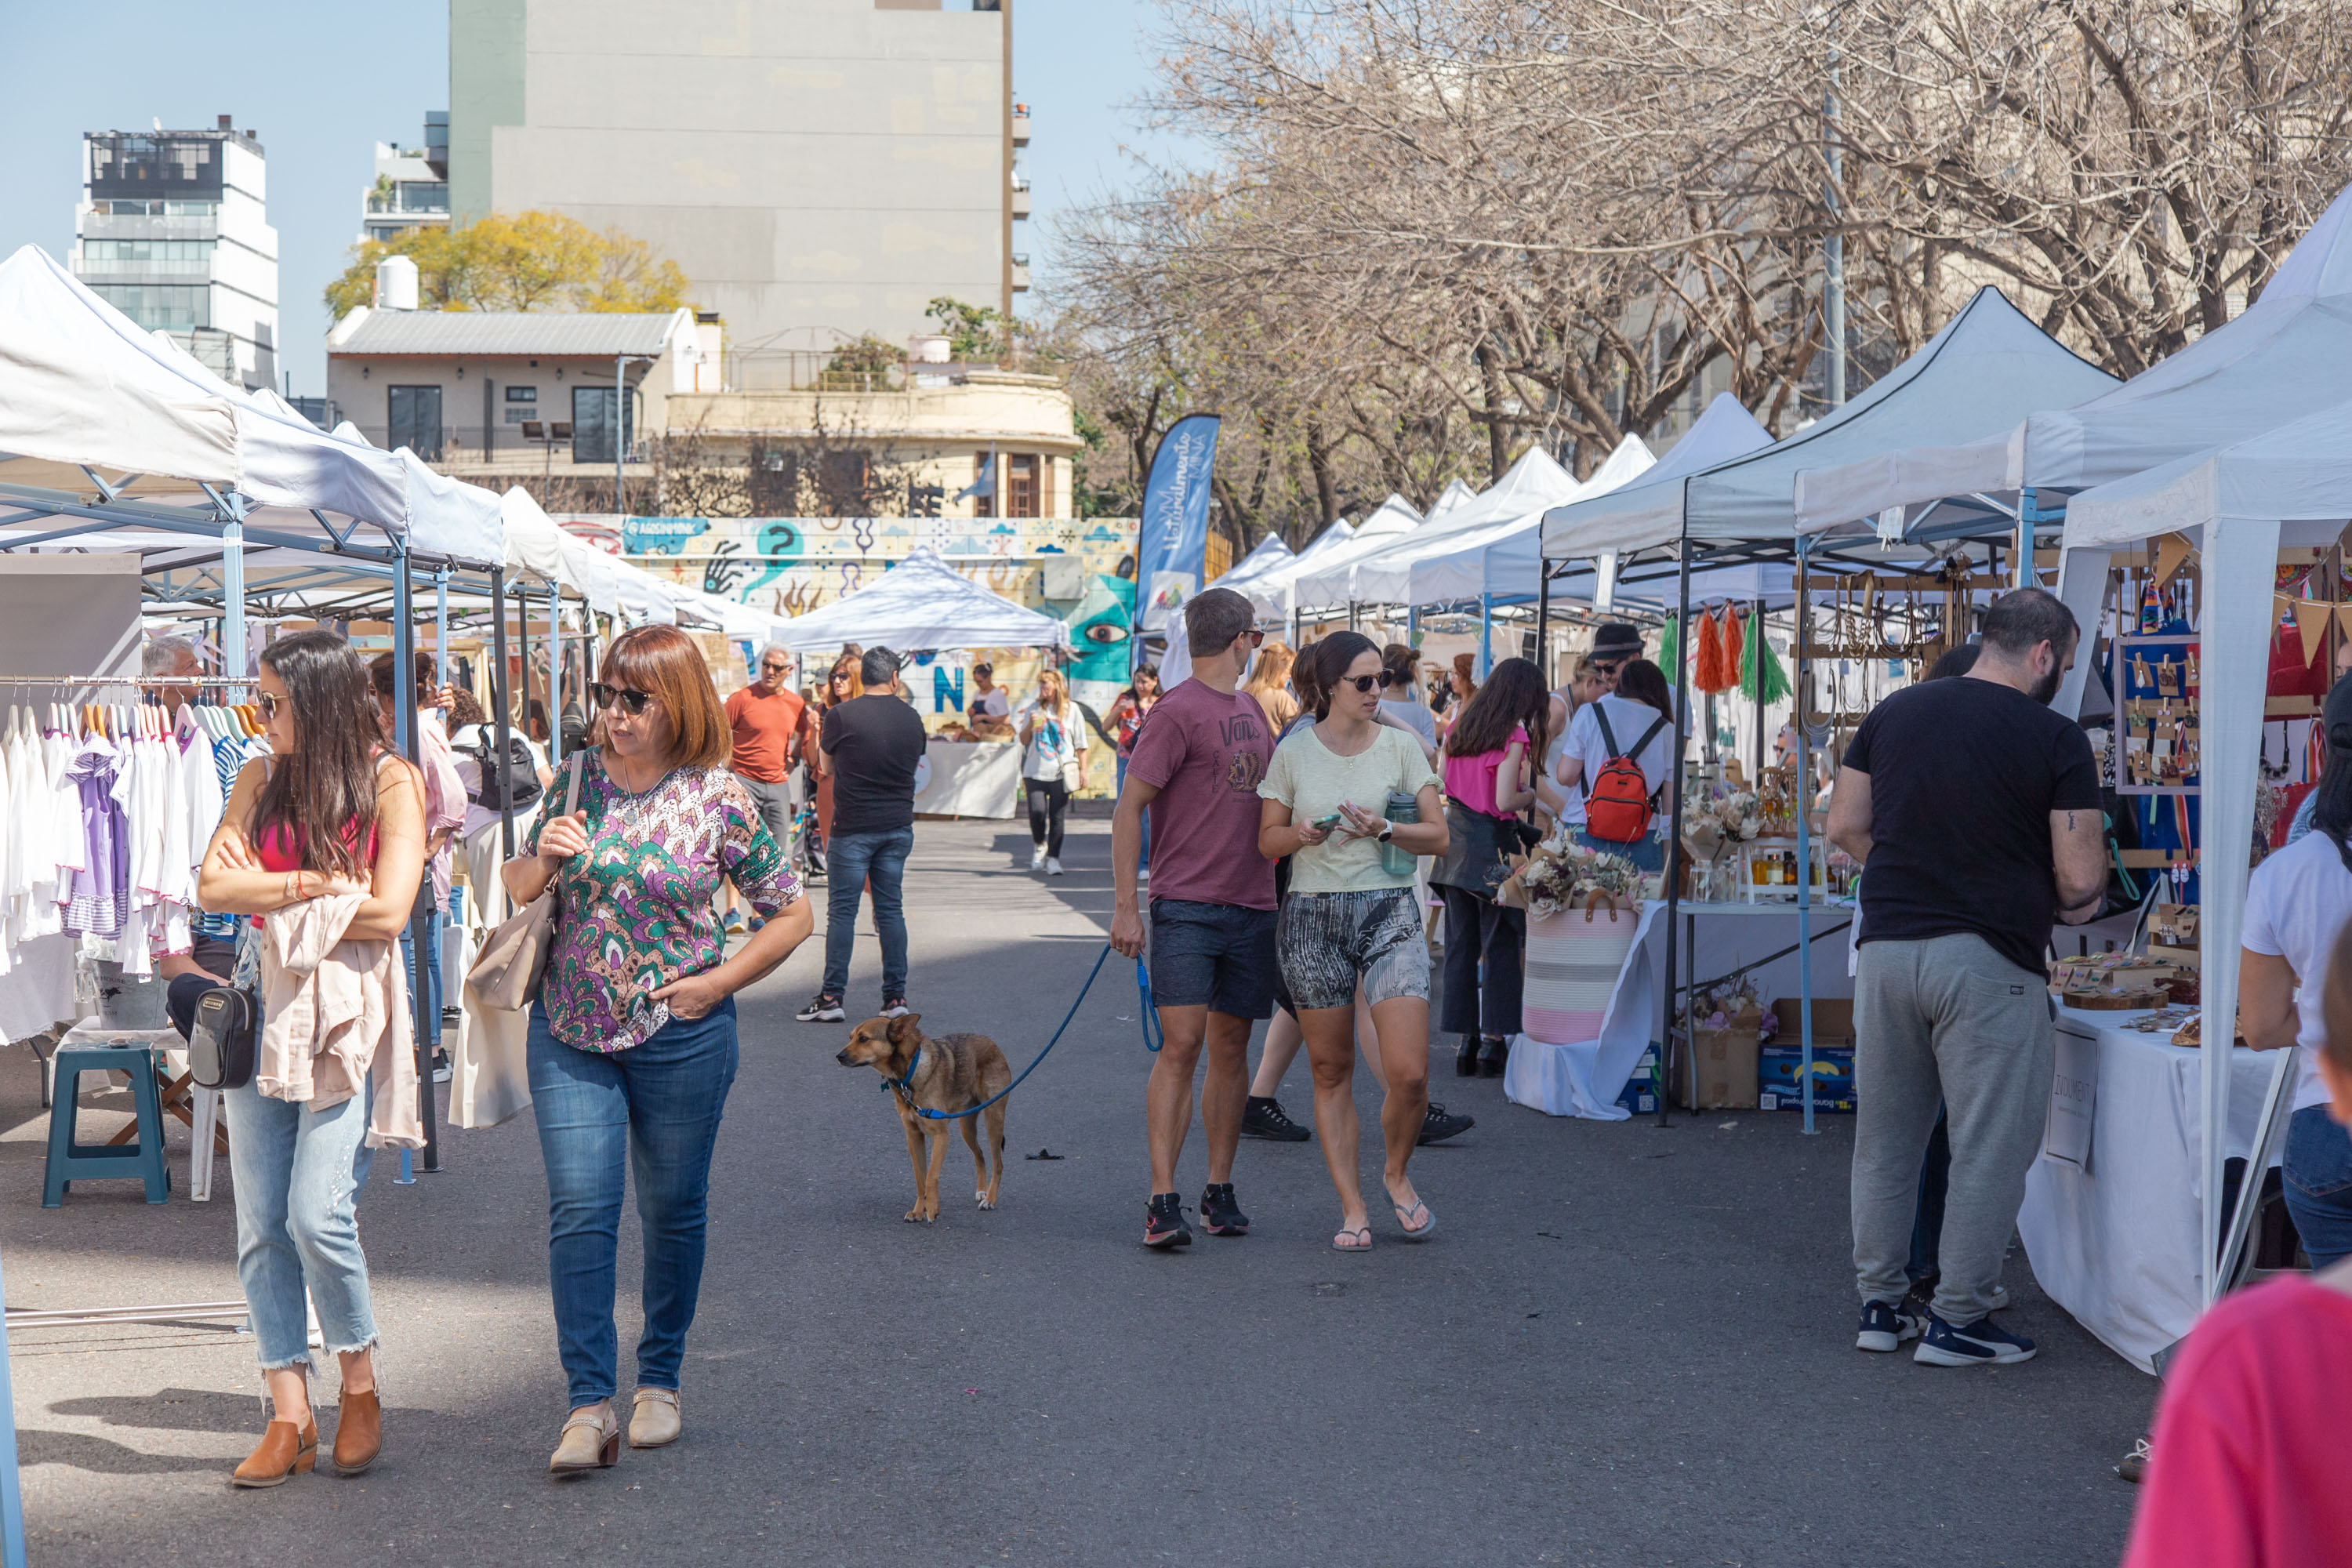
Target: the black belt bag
(221, 1039)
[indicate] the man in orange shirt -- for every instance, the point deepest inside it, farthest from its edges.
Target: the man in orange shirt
(765, 717)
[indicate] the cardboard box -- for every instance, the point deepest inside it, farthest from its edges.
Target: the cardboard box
(1780, 1067)
(1721, 1073)
(1833, 1021)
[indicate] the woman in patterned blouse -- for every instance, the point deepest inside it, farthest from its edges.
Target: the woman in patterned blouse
(633, 1042)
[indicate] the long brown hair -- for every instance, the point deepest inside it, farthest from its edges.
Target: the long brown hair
(320, 797)
(847, 664)
(663, 660)
(1512, 697)
(1275, 660)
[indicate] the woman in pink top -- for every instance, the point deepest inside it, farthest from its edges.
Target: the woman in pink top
(1488, 782)
(2248, 1458)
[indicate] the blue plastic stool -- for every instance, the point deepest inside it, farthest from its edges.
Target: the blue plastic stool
(71, 1161)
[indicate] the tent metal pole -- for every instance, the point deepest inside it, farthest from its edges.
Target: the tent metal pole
(1673, 862)
(1802, 791)
(522, 646)
(498, 712)
(1543, 617)
(232, 535)
(420, 924)
(554, 671)
(1485, 635)
(12, 1492)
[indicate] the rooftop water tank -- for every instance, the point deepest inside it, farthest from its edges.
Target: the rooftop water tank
(395, 284)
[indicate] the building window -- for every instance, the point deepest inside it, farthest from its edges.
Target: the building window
(414, 420)
(522, 403)
(176, 306)
(423, 195)
(148, 255)
(592, 425)
(1021, 495)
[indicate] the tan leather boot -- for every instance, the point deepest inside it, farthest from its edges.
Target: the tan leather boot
(359, 1433)
(286, 1451)
(655, 1421)
(591, 1440)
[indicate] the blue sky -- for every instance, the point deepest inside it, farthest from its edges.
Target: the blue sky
(322, 84)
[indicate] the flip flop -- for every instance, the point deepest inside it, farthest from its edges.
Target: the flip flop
(1404, 1219)
(1364, 1245)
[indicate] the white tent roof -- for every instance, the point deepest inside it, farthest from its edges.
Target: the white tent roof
(1534, 482)
(1319, 575)
(1456, 494)
(2299, 475)
(922, 602)
(2289, 352)
(1269, 589)
(80, 382)
(1499, 555)
(1988, 368)
(1536, 476)
(1271, 552)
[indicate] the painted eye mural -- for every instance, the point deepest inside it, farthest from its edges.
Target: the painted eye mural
(1100, 624)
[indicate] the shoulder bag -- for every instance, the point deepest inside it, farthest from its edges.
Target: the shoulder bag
(506, 972)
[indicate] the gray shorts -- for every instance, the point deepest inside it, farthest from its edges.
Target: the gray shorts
(775, 803)
(1328, 942)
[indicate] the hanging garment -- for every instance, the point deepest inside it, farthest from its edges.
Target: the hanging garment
(95, 907)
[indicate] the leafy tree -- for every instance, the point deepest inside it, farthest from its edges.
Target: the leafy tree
(527, 261)
(973, 331)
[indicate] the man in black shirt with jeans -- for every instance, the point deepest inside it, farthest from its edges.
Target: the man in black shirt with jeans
(1975, 810)
(870, 745)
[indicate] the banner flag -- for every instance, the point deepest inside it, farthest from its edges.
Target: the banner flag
(1173, 539)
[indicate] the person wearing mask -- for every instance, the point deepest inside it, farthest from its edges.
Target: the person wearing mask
(2297, 906)
(1488, 782)
(1269, 682)
(842, 685)
(1196, 768)
(329, 829)
(1399, 700)
(2247, 1465)
(1349, 919)
(1974, 812)
(444, 814)
(1052, 767)
(764, 720)
(871, 745)
(1126, 715)
(1633, 721)
(633, 1043)
(989, 713)
(473, 745)
(1263, 1115)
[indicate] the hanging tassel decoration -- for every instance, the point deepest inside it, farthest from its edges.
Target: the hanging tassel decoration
(1670, 650)
(1760, 675)
(1709, 672)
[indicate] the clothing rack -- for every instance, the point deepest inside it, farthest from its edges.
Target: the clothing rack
(129, 679)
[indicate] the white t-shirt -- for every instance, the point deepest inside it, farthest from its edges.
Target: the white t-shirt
(1312, 780)
(1627, 720)
(1572, 798)
(1054, 742)
(993, 702)
(2295, 905)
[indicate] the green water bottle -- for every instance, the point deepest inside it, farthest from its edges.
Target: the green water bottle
(1396, 860)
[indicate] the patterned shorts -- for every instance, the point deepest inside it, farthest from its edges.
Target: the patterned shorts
(1328, 942)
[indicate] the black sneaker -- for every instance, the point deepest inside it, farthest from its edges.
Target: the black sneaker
(1980, 1343)
(1163, 1221)
(893, 1006)
(1883, 1327)
(1262, 1116)
(822, 1009)
(1436, 1126)
(1219, 1215)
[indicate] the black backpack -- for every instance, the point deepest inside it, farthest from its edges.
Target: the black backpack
(519, 779)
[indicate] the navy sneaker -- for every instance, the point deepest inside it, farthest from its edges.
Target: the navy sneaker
(1263, 1116)
(1883, 1327)
(1980, 1343)
(1219, 1214)
(1163, 1221)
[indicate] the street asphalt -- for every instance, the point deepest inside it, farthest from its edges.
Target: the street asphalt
(1627, 1345)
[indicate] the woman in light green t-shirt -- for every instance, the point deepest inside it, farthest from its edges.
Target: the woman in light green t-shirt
(1350, 921)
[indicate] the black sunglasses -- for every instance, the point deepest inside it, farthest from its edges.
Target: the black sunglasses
(628, 697)
(1384, 679)
(269, 705)
(772, 664)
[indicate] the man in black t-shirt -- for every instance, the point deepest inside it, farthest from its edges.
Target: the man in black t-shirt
(1975, 811)
(871, 745)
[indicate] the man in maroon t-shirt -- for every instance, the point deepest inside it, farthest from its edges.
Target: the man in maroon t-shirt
(1196, 763)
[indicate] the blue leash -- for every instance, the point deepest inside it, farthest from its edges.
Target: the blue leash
(1008, 1088)
(1152, 1037)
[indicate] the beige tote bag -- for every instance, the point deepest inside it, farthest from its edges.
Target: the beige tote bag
(506, 972)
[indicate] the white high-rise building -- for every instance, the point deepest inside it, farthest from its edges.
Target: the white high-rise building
(410, 190)
(174, 231)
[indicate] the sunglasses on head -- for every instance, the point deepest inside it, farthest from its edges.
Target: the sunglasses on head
(628, 697)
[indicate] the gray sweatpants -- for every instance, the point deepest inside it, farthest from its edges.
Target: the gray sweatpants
(1947, 1021)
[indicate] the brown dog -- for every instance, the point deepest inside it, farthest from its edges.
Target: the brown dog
(954, 1072)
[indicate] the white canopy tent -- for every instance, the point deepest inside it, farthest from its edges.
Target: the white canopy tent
(1270, 554)
(2289, 352)
(1269, 589)
(922, 602)
(1725, 431)
(1497, 558)
(1988, 368)
(2238, 505)
(1456, 494)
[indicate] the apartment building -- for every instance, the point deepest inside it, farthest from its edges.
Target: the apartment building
(411, 186)
(820, 169)
(172, 230)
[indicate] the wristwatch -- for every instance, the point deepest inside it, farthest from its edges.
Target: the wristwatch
(1388, 830)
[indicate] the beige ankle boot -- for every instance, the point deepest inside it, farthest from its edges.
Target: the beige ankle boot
(655, 1421)
(591, 1441)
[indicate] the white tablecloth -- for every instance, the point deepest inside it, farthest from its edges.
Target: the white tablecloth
(1585, 1078)
(2117, 1247)
(972, 778)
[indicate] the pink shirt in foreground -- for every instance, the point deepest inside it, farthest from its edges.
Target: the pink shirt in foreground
(1470, 781)
(1206, 753)
(2250, 1444)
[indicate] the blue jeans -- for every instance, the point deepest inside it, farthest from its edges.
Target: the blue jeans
(657, 1104)
(2318, 1172)
(851, 860)
(297, 1174)
(432, 971)
(1648, 853)
(1143, 856)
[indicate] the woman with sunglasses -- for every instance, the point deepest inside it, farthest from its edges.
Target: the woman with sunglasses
(633, 1042)
(333, 818)
(1349, 918)
(842, 685)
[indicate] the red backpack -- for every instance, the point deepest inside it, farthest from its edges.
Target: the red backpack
(1617, 798)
